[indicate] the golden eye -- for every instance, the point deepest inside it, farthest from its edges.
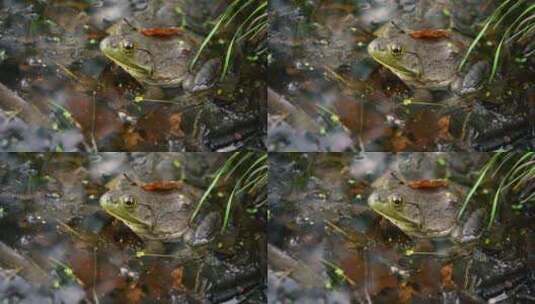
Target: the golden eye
(396, 200)
(128, 45)
(396, 49)
(129, 201)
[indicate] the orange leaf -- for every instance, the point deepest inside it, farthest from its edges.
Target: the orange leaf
(399, 142)
(446, 272)
(161, 32)
(428, 183)
(444, 127)
(178, 275)
(429, 34)
(134, 294)
(162, 186)
(175, 121)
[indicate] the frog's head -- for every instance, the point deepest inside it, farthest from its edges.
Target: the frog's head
(126, 47)
(124, 203)
(417, 212)
(151, 215)
(396, 54)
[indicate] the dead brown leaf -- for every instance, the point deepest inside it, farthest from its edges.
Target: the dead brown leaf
(162, 186)
(134, 294)
(406, 293)
(132, 139)
(446, 273)
(178, 275)
(175, 121)
(428, 183)
(399, 142)
(162, 32)
(430, 34)
(444, 127)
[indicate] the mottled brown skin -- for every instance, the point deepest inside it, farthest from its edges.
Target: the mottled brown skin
(159, 61)
(151, 60)
(425, 213)
(426, 63)
(159, 215)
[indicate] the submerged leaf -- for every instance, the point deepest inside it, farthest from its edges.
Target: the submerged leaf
(162, 32)
(430, 34)
(428, 183)
(162, 186)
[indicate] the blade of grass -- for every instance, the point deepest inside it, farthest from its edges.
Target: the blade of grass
(496, 61)
(216, 178)
(254, 31)
(238, 164)
(494, 207)
(482, 32)
(509, 11)
(480, 179)
(529, 9)
(214, 30)
(228, 208)
(241, 8)
(252, 182)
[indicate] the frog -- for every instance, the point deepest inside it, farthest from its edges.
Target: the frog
(159, 217)
(430, 63)
(429, 213)
(159, 61)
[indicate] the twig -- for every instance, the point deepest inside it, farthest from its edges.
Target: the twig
(10, 101)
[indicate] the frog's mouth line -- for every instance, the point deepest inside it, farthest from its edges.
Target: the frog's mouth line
(134, 68)
(126, 62)
(405, 222)
(128, 220)
(400, 69)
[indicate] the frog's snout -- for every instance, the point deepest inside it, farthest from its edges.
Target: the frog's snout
(373, 200)
(105, 200)
(375, 46)
(103, 44)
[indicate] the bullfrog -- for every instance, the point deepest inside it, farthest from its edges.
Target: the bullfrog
(158, 61)
(429, 63)
(425, 212)
(159, 216)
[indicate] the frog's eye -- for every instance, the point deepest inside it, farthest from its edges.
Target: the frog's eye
(129, 201)
(396, 200)
(128, 45)
(396, 50)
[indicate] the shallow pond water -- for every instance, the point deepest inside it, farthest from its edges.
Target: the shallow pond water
(326, 93)
(327, 245)
(58, 244)
(77, 99)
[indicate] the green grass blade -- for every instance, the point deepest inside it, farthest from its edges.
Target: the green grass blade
(494, 208)
(491, 18)
(212, 185)
(496, 61)
(228, 208)
(480, 179)
(238, 164)
(240, 8)
(206, 41)
(509, 11)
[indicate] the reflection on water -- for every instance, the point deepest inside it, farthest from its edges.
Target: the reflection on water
(329, 94)
(327, 244)
(57, 242)
(51, 61)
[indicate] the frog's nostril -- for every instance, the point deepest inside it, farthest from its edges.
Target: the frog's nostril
(105, 200)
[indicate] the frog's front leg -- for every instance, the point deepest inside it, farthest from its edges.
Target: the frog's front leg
(204, 231)
(204, 78)
(473, 80)
(153, 247)
(422, 95)
(472, 227)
